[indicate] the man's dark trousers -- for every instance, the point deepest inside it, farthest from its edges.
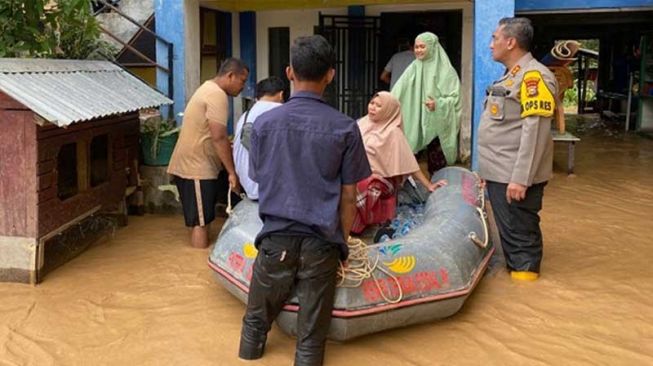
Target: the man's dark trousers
(519, 226)
(284, 262)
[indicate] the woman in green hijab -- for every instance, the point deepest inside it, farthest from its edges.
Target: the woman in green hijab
(429, 92)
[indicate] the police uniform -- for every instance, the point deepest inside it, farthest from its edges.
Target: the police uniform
(515, 146)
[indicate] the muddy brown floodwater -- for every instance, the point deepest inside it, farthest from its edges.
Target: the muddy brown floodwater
(145, 298)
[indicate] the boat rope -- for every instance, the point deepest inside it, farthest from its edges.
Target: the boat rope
(481, 212)
(481, 192)
(229, 208)
(359, 268)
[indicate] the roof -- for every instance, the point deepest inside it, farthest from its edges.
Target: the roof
(69, 91)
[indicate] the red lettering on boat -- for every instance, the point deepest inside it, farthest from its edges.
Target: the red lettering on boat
(469, 190)
(420, 282)
(237, 262)
(370, 292)
(444, 277)
(250, 272)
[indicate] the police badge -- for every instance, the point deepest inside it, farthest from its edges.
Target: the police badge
(531, 87)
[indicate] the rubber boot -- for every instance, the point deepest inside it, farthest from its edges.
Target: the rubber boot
(524, 275)
(252, 345)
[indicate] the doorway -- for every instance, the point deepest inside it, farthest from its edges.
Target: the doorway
(397, 29)
(364, 44)
(355, 40)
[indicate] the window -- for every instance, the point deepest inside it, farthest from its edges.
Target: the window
(99, 160)
(67, 171)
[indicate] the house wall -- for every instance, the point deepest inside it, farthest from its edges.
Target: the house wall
(193, 51)
(237, 102)
(487, 15)
(18, 228)
(147, 74)
(303, 22)
(523, 6)
(172, 18)
(466, 58)
(248, 44)
(481, 14)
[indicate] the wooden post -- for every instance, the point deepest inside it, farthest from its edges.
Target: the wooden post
(82, 165)
(570, 157)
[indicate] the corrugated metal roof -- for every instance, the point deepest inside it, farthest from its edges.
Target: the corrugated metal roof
(69, 91)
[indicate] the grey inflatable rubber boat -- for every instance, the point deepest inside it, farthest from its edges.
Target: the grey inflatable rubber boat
(423, 276)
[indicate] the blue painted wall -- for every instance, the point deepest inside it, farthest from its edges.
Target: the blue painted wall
(169, 17)
(487, 14)
(227, 18)
(356, 10)
(535, 5)
(248, 50)
(230, 46)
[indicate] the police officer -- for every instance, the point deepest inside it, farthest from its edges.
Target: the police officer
(515, 146)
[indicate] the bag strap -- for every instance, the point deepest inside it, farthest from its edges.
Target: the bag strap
(246, 130)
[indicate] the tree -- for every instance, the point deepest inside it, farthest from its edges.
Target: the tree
(22, 29)
(50, 29)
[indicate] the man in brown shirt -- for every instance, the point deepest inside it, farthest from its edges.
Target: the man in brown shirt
(515, 146)
(203, 148)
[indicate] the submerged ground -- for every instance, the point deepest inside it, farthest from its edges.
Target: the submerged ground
(145, 298)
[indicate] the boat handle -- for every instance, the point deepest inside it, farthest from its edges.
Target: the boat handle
(474, 237)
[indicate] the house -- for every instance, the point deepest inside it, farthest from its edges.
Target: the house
(366, 32)
(68, 155)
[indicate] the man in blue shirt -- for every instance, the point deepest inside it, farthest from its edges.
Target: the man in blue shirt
(307, 158)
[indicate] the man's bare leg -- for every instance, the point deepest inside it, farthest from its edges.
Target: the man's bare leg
(199, 237)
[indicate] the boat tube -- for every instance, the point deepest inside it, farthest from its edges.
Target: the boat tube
(424, 275)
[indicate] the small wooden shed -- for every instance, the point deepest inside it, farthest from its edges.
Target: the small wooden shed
(69, 145)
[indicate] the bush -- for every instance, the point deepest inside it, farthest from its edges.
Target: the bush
(50, 29)
(571, 95)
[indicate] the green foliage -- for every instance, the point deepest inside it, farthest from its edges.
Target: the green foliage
(50, 29)
(79, 34)
(154, 129)
(22, 29)
(571, 97)
(157, 126)
(590, 44)
(571, 94)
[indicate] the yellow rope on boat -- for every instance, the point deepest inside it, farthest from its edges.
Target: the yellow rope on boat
(360, 268)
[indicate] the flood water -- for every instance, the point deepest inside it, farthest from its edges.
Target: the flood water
(145, 298)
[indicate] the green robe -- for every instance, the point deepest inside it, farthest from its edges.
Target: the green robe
(432, 77)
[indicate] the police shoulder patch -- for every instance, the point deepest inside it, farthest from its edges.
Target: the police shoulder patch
(536, 98)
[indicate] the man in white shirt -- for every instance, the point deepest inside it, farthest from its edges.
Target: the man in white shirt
(397, 64)
(269, 95)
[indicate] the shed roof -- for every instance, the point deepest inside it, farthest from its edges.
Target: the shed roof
(69, 91)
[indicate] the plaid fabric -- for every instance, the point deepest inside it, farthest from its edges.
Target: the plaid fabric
(376, 201)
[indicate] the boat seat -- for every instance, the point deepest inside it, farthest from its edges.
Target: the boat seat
(570, 140)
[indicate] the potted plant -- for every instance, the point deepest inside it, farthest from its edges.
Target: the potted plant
(158, 139)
